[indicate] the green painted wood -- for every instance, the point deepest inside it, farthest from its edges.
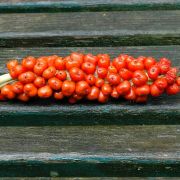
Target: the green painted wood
(80, 5)
(101, 29)
(90, 151)
(162, 110)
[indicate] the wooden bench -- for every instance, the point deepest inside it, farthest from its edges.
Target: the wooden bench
(51, 139)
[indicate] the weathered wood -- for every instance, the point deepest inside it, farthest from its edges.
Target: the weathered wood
(162, 110)
(93, 151)
(81, 5)
(101, 29)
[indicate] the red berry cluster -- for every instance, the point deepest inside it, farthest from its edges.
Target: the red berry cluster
(92, 77)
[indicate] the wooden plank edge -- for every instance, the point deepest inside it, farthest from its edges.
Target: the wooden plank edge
(75, 6)
(89, 41)
(73, 165)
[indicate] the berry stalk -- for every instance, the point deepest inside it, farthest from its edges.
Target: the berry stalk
(85, 76)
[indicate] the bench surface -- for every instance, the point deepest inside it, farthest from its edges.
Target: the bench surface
(49, 138)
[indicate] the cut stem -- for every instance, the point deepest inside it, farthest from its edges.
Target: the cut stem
(5, 78)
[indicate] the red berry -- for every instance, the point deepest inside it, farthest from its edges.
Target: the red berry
(123, 88)
(79, 57)
(49, 72)
(141, 99)
(149, 62)
(88, 68)
(125, 74)
(102, 72)
(90, 79)
(139, 78)
(58, 95)
(103, 60)
(119, 63)
(112, 69)
(113, 79)
(39, 82)
(106, 89)
(45, 92)
(61, 75)
(68, 88)
(143, 90)
(135, 65)
(161, 83)
(23, 97)
(82, 88)
(155, 91)
(99, 82)
(40, 66)
(17, 87)
(131, 95)
(153, 72)
(114, 93)
(11, 64)
(30, 90)
(76, 74)
(91, 58)
(27, 77)
(102, 98)
(59, 63)
(94, 93)
(55, 83)
(29, 62)
(173, 89)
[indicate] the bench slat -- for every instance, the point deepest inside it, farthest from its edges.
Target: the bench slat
(81, 5)
(90, 151)
(162, 110)
(101, 29)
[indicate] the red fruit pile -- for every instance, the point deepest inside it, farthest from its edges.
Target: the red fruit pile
(91, 77)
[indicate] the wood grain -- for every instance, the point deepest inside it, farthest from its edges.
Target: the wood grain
(80, 5)
(101, 29)
(93, 151)
(162, 110)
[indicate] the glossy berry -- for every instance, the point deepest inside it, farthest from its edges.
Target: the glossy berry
(90, 79)
(103, 60)
(143, 90)
(59, 63)
(88, 67)
(91, 58)
(135, 65)
(161, 83)
(30, 90)
(139, 78)
(23, 97)
(106, 89)
(29, 62)
(40, 66)
(68, 88)
(49, 72)
(58, 95)
(102, 98)
(173, 89)
(123, 88)
(112, 69)
(45, 92)
(99, 82)
(114, 93)
(125, 74)
(11, 64)
(153, 72)
(39, 82)
(27, 77)
(61, 75)
(55, 83)
(149, 62)
(119, 63)
(102, 72)
(82, 88)
(94, 93)
(17, 87)
(155, 91)
(131, 95)
(113, 79)
(7, 92)
(76, 74)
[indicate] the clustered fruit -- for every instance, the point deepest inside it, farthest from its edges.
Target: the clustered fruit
(85, 76)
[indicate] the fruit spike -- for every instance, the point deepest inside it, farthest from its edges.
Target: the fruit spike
(85, 76)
